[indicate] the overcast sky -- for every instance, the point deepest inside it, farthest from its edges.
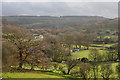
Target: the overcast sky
(60, 0)
(105, 9)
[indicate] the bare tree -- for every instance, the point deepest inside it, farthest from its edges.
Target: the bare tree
(94, 55)
(106, 71)
(85, 71)
(28, 49)
(17, 36)
(8, 55)
(89, 37)
(118, 70)
(78, 39)
(54, 48)
(70, 64)
(69, 41)
(37, 58)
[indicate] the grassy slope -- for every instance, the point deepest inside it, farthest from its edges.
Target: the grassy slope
(80, 54)
(83, 53)
(28, 75)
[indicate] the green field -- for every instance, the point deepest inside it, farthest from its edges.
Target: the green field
(83, 53)
(101, 45)
(29, 75)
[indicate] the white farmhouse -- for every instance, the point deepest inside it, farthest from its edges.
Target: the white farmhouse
(38, 36)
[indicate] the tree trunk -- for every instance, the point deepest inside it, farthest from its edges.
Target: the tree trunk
(94, 73)
(64, 72)
(76, 46)
(69, 50)
(79, 46)
(32, 67)
(119, 52)
(87, 47)
(84, 78)
(119, 41)
(68, 71)
(21, 63)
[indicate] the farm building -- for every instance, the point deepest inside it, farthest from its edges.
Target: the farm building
(74, 50)
(37, 36)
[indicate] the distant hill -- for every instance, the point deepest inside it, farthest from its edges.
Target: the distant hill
(53, 22)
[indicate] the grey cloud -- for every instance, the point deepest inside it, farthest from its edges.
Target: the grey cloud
(106, 9)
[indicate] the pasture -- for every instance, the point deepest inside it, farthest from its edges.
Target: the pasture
(84, 53)
(28, 75)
